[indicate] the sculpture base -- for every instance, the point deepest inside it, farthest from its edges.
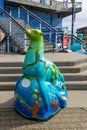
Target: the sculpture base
(38, 102)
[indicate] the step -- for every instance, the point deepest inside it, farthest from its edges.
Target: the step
(68, 77)
(7, 86)
(66, 59)
(10, 70)
(9, 77)
(13, 67)
(19, 64)
(73, 69)
(75, 77)
(76, 85)
(60, 59)
(82, 76)
(70, 63)
(11, 64)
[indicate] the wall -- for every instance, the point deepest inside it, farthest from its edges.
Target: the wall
(2, 3)
(2, 35)
(51, 18)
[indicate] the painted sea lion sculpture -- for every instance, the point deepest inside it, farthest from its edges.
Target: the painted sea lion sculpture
(41, 92)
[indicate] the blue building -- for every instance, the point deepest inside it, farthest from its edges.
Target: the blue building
(46, 15)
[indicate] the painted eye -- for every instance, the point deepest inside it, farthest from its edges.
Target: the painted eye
(26, 83)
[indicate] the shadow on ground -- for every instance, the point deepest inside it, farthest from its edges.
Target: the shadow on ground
(66, 119)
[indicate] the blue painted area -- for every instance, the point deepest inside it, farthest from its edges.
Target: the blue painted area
(14, 13)
(80, 35)
(56, 22)
(77, 44)
(76, 47)
(43, 15)
(2, 3)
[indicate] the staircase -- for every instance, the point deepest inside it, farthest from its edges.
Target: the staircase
(33, 21)
(13, 29)
(75, 72)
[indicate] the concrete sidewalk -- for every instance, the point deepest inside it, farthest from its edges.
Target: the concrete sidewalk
(73, 117)
(66, 119)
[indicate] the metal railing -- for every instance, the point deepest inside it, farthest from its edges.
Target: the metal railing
(75, 40)
(69, 5)
(12, 28)
(50, 33)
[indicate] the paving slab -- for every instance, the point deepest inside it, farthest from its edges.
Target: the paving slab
(66, 119)
(77, 98)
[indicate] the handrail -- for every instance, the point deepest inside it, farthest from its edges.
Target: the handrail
(39, 19)
(77, 38)
(12, 18)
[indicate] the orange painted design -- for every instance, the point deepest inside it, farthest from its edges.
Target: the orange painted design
(54, 105)
(65, 44)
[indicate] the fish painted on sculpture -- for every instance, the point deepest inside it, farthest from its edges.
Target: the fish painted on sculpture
(41, 92)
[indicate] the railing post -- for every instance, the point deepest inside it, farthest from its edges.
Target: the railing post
(28, 19)
(69, 45)
(25, 41)
(10, 23)
(7, 44)
(54, 45)
(19, 12)
(40, 25)
(50, 35)
(81, 47)
(56, 38)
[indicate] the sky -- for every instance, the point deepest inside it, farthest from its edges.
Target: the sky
(80, 20)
